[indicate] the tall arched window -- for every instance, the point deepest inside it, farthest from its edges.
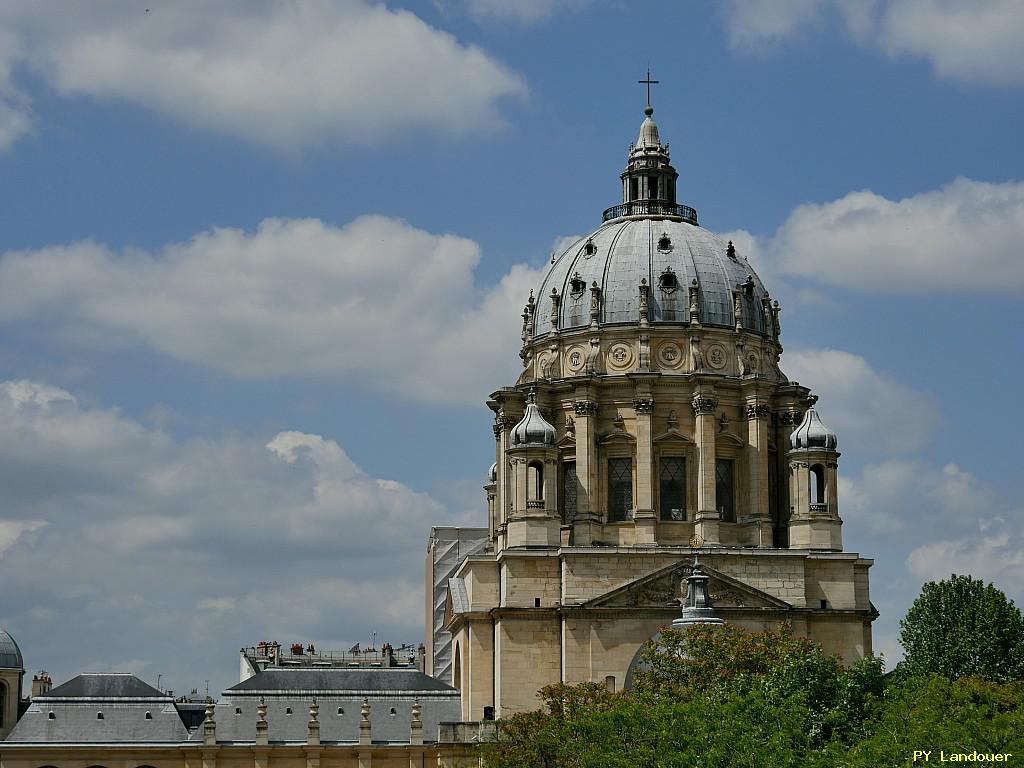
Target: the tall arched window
(535, 481)
(817, 484)
(3, 703)
(457, 667)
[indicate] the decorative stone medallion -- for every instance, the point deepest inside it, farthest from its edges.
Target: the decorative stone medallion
(620, 356)
(715, 356)
(670, 355)
(575, 359)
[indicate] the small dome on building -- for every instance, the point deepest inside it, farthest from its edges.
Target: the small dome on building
(492, 473)
(10, 653)
(533, 428)
(812, 433)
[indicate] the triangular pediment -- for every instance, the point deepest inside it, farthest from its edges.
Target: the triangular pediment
(730, 438)
(673, 435)
(617, 436)
(666, 588)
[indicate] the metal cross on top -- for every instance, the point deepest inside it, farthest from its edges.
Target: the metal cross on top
(649, 83)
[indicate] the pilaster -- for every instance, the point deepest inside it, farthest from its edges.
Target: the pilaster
(644, 519)
(707, 518)
(585, 524)
(758, 515)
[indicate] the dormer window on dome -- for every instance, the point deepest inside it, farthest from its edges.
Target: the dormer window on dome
(589, 249)
(577, 286)
(668, 281)
(664, 243)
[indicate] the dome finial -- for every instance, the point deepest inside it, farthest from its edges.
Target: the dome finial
(648, 110)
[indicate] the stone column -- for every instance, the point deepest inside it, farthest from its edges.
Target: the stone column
(758, 513)
(707, 517)
(585, 526)
(644, 520)
(503, 423)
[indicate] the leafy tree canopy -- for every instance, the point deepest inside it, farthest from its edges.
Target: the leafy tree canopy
(959, 627)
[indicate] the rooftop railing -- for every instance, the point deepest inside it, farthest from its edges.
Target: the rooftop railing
(651, 208)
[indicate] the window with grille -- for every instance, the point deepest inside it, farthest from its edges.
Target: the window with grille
(569, 491)
(672, 488)
(620, 489)
(724, 490)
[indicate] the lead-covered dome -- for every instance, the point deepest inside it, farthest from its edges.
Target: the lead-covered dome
(10, 653)
(650, 242)
(812, 433)
(668, 254)
(533, 428)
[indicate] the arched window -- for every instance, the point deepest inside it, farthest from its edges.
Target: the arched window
(99, 715)
(3, 702)
(457, 668)
(535, 481)
(149, 715)
(817, 484)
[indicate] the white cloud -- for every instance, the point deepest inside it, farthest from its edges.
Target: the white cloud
(757, 22)
(994, 552)
(522, 11)
(869, 410)
(964, 236)
(976, 42)
(123, 532)
(901, 495)
(286, 75)
(376, 301)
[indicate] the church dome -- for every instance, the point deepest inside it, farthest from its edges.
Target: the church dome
(812, 433)
(10, 653)
(533, 428)
(668, 254)
(653, 241)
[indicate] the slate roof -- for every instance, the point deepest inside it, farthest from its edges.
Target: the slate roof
(70, 713)
(340, 681)
(106, 685)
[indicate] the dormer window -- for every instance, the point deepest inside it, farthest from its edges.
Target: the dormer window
(149, 715)
(577, 285)
(99, 715)
(668, 282)
(664, 243)
(51, 715)
(589, 249)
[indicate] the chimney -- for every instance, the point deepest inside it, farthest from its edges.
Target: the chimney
(41, 684)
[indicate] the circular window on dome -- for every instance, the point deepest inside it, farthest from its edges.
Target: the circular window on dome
(668, 281)
(664, 243)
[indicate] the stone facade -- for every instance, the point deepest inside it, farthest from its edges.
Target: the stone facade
(651, 422)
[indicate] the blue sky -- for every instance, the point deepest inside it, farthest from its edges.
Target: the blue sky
(261, 264)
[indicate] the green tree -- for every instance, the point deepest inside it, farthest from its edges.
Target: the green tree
(959, 627)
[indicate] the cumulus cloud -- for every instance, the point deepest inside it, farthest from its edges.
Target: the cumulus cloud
(975, 42)
(149, 548)
(869, 410)
(993, 552)
(285, 75)
(522, 11)
(964, 236)
(376, 301)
